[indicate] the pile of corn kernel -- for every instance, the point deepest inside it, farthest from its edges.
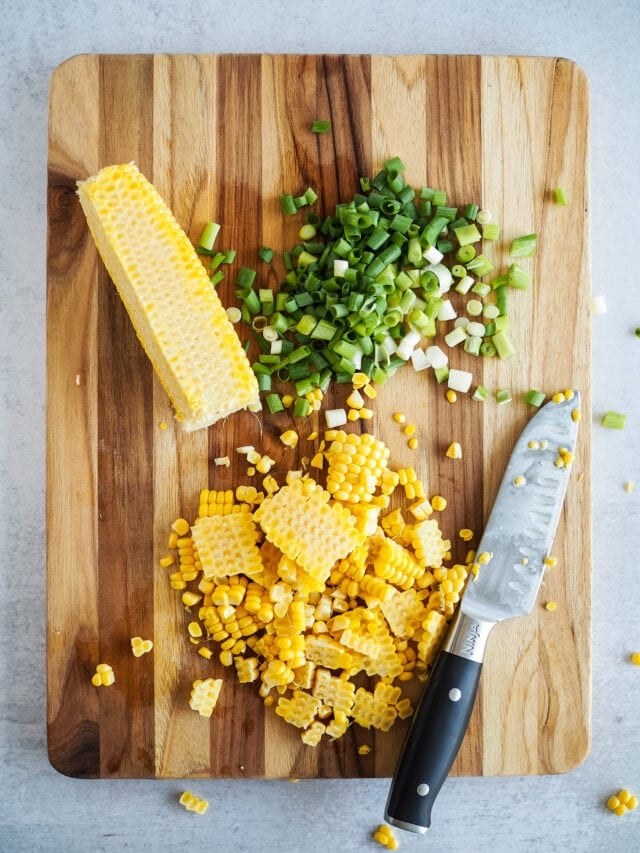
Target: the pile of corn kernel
(622, 802)
(301, 587)
(384, 835)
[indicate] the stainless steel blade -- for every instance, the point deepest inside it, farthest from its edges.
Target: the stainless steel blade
(520, 530)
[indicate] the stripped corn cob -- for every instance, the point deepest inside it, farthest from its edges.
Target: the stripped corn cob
(175, 311)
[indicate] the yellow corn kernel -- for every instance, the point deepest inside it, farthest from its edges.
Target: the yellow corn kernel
(550, 606)
(454, 451)
(181, 526)
(204, 695)
(104, 676)
(359, 380)
(165, 562)
(409, 429)
(364, 749)
(576, 415)
(355, 400)
(265, 464)
(193, 803)
(558, 398)
(451, 395)
(412, 444)
(550, 562)
(484, 557)
(353, 415)
(624, 796)
(140, 647)
(366, 414)
(632, 803)
(620, 810)
(635, 658)
(194, 629)
(289, 438)
(399, 418)
(205, 652)
(465, 534)
(438, 503)
(190, 599)
(370, 392)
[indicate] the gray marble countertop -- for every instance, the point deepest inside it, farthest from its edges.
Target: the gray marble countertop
(41, 810)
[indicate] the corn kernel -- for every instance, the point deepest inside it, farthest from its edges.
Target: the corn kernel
(409, 429)
(412, 444)
(364, 749)
(205, 652)
(550, 562)
(451, 395)
(613, 802)
(104, 676)
(550, 606)
(454, 451)
(519, 481)
(140, 647)
(399, 418)
(370, 392)
(359, 380)
(465, 534)
(193, 803)
(629, 486)
(181, 526)
(438, 503)
(632, 803)
(635, 658)
(289, 438)
(165, 562)
(620, 810)
(624, 796)
(558, 398)
(366, 414)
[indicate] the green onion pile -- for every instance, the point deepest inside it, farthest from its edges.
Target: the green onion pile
(364, 287)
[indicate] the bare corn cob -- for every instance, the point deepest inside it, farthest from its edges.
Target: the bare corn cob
(175, 310)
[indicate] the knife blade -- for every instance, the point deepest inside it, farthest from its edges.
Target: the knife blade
(510, 560)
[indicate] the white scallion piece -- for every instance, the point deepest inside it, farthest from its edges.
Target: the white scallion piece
(389, 345)
(598, 305)
(222, 460)
(459, 380)
(491, 311)
(436, 357)
(357, 358)
(443, 274)
(461, 321)
(276, 347)
(419, 359)
(465, 284)
(447, 311)
(455, 337)
(270, 334)
(432, 255)
(340, 267)
(335, 418)
(407, 345)
(234, 314)
(476, 329)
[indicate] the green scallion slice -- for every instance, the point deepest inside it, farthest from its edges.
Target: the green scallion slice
(534, 398)
(613, 420)
(319, 126)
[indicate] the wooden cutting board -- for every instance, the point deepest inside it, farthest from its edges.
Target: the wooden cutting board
(221, 137)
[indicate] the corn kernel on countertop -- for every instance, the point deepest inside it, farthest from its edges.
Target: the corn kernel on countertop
(41, 810)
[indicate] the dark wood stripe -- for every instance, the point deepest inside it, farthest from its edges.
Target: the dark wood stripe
(125, 462)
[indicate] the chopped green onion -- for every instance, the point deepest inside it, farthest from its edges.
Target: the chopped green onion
(560, 196)
(487, 349)
(216, 278)
(503, 396)
(518, 277)
(534, 398)
(287, 204)
(480, 265)
(480, 394)
(301, 407)
(441, 374)
(490, 231)
(613, 420)
(265, 254)
(320, 126)
(523, 247)
(503, 344)
(209, 235)
(245, 277)
(467, 234)
(274, 403)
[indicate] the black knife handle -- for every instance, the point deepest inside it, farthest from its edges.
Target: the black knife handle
(433, 741)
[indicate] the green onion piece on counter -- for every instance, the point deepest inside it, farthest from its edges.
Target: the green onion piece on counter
(480, 394)
(217, 277)
(320, 126)
(490, 231)
(274, 403)
(264, 381)
(560, 196)
(534, 398)
(613, 420)
(480, 265)
(487, 349)
(245, 277)
(441, 374)
(229, 256)
(503, 344)
(265, 254)
(209, 234)
(467, 234)
(287, 204)
(523, 247)
(518, 277)
(503, 396)
(301, 407)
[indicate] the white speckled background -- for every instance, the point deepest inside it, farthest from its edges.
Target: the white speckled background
(43, 811)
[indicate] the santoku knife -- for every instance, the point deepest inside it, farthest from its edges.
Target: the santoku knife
(516, 541)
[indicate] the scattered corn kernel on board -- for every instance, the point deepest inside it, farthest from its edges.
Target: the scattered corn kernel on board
(221, 137)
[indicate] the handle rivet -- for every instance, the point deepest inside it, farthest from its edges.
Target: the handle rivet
(455, 694)
(422, 790)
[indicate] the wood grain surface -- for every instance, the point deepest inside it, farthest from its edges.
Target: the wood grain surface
(221, 137)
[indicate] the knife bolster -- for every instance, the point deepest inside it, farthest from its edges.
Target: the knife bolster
(467, 637)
